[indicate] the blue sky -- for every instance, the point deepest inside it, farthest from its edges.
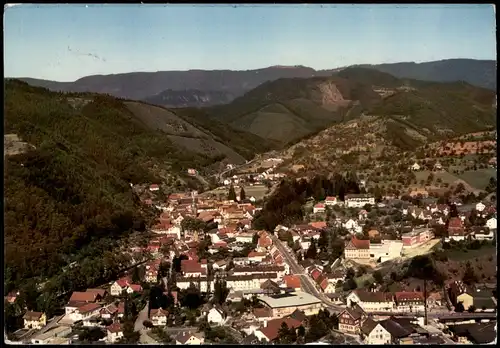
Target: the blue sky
(66, 42)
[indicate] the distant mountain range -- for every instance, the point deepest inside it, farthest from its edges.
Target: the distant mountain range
(205, 88)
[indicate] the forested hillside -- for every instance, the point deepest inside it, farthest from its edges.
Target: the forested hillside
(72, 189)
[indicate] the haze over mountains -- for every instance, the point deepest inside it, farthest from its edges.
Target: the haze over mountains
(206, 88)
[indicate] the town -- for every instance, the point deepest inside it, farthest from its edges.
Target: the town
(207, 276)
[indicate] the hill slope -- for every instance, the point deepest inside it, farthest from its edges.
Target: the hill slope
(288, 109)
(71, 187)
(189, 98)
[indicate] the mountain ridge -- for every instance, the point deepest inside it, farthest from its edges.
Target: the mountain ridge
(142, 85)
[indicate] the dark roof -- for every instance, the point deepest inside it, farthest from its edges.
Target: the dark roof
(298, 315)
(368, 326)
(482, 334)
(478, 333)
(250, 340)
(394, 328)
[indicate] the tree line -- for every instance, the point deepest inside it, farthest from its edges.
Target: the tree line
(285, 206)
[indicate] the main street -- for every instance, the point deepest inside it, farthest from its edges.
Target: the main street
(306, 282)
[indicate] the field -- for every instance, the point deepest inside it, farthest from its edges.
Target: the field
(257, 191)
(478, 178)
(443, 175)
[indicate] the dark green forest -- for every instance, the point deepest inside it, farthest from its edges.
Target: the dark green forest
(285, 206)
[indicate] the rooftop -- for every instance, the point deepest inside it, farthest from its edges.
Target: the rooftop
(289, 300)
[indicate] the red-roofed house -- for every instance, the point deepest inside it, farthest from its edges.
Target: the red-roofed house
(85, 311)
(292, 282)
(154, 187)
(318, 224)
(357, 249)
(158, 317)
(134, 289)
(256, 256)
(456, 230)
(330, 200)
(319, 208)
(315, 273)
(269, 331)
(114, 332)
(325, 285)
(191, 268)
(409, 301)
(118, 286)
(265, 241)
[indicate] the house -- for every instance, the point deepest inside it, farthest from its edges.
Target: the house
(114, 332)
(456, 230)
(409, 301)
(134, 289)
(491, 223)
(357, 249)
(319, 208)
(78, 299)
(284, 304)
(85, 311)
(358, 200)
(158, 317)
(371, 301)
(34, 320)
(119, 286)
(216, 315)
(329, 201)
(270, 330)
(154, 187)
(374, 333)
(109, 311)
(416, 237)
(292, 282)
(480, 206)
(189, 338)
(350, 225)
(460, 293)
(351, 319)
(262, 314)
(415, 166)
(100, 292)
(482, 233)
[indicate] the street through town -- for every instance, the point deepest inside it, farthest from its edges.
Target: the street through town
(307, 283)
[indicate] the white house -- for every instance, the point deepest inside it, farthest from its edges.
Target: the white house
(480, 207)
(34, 320)
(331, 200)
(118, 286)
(86, 311)
(415, 166)
(375, 333)
(319, 208)
(350, 224)
(188, 338)
(159, 317)
(371, 301)
(491, 223)
(114, 332)
(243, 237)
(358, 200)
(216, 316)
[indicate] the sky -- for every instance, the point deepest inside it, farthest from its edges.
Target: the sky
(67, 42)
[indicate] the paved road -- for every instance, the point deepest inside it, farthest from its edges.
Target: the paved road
(138, 326)
(307, 283)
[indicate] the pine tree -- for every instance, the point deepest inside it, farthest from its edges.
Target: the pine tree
(242, 194)
(232, 194)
